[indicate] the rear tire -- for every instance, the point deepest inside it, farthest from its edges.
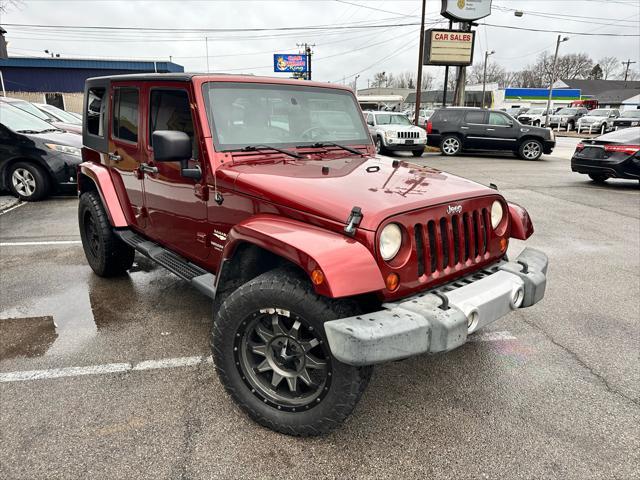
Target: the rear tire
(417, 153)
(450, 145)
(272, 356)
(107, 255)
(599, 178)
(28, 181)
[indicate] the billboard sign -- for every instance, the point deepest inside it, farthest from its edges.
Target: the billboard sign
(465, 10)
(448, 47)
(290, 63)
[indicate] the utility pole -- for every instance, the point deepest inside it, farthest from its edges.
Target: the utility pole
(553, 77)
(484, 73)
(461, 76)
(420, 60)
(308, 53)
(446, 76)
(206, 46)
(626, 71)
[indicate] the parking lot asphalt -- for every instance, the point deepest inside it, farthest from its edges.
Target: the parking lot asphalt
(121, 385)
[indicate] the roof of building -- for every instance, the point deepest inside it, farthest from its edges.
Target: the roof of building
(93, 64)
(595, 87)
(617, 96)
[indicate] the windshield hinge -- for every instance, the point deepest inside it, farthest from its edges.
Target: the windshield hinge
(355, 217)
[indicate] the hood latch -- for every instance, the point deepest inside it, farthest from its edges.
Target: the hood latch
(355, 217)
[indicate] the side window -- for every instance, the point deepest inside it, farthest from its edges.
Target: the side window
(125, 114)
(370, 119)
(474, 117)
(170, 110)
(95, 111)
(498, 119)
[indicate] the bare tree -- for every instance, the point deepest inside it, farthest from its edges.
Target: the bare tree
(495, 74)
(427, 81)
(378, 79)
(609, 66)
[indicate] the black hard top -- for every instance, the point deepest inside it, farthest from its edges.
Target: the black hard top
(172, 77)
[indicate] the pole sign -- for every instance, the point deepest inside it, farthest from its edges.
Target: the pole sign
(465, 10)
(448, 47)
(290, 63)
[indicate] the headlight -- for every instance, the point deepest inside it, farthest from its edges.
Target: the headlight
(389, 134)
(75, 151)
(496, 214)
(390, 241)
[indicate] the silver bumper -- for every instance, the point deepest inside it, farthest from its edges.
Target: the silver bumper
(441, 319)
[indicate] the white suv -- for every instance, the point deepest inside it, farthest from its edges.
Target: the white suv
(392, 131)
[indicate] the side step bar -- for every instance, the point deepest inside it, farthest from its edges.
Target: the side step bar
(199, 278)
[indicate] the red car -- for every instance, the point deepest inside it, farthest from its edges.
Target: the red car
(322, 258)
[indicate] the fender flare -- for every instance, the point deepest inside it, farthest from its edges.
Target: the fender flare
(99, 175)
(521, 224)
(348, 266)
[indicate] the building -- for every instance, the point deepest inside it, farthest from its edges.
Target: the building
(60, 81)
(608, 93)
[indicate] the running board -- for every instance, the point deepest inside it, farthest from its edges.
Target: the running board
(199, 278)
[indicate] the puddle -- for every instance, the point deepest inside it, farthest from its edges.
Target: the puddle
(26, 337)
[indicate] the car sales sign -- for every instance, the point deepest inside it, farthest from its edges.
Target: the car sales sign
(448, 47)
(465, 10)
(295, 63)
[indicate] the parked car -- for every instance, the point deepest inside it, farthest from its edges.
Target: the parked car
(456, 129)
(614, 155)
(534, 116)
(515, 112)
(628, 118)
(322, 257)
(42, 115)
(70, 122)
(589, 104)
(567, 117)
(598, 120)
(36, 158)
(393, 132)
(423, 117)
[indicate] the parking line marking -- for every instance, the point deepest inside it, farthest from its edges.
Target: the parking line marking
(13, 208)
(22, 376)
(491, 336)
(29, 244)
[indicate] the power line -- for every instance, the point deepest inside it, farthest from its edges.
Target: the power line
(562, 31)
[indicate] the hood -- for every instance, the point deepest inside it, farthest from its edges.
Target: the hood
(374, 184)
(69, 127)
(59, 137)
(399, 128)
(593, 118)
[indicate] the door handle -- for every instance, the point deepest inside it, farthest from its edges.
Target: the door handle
(464, 128)
(491, 129)
(148, 168)
(114, 157)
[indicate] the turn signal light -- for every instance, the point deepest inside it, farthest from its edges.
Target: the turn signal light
(317, 277)
(503, 244)
(429, 127)
(392, 281)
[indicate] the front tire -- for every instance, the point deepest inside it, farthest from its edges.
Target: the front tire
(379, 145)
(599, 178)
(272, 355)
(450, 145)
(107, 255)
(417, 153)
(28, 182)
(571, 126)
(530, 150)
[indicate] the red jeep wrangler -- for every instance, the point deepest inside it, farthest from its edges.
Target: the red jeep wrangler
(321, 257)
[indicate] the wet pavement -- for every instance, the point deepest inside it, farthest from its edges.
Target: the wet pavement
(552, 393)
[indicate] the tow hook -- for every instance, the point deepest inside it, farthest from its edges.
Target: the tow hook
(355, 217)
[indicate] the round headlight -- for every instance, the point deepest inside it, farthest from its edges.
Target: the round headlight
(496, 214)
(390, 241)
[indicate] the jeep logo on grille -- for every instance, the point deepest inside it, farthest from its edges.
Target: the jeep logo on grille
(451, 209)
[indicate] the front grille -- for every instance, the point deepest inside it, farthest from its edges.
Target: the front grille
(452, 241)
(408, 134)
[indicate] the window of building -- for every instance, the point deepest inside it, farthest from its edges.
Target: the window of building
(125, 114)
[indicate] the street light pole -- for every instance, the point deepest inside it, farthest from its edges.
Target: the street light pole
(355, 84)
(484, 73)
(553, 76)
(206, 44)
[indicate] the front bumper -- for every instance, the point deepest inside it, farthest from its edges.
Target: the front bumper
(441, 319)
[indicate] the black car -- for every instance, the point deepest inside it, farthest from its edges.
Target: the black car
(614, 155)
(35, 158)
(456, 129)
(628, 118)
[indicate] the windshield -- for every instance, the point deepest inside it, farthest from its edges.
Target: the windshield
(389, 119)
(20, 121)
(598, 112)
(61, 114)
(630, 114)
(568, 111)
(32, 109)
(244, 114)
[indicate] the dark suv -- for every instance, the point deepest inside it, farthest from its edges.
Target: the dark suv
(457, 129)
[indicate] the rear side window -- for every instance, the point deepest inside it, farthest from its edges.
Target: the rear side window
(95, 111)
(125, 114)
(446, 115)
(474, 117)
(170, 110)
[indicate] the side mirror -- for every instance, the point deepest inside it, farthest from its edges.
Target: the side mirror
(174, 146)
(510, 124)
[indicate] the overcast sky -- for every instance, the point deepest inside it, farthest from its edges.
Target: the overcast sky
(339, 53)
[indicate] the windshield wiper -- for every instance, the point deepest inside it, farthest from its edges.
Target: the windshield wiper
(28, 131)
(326, 144)
(253, 148)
